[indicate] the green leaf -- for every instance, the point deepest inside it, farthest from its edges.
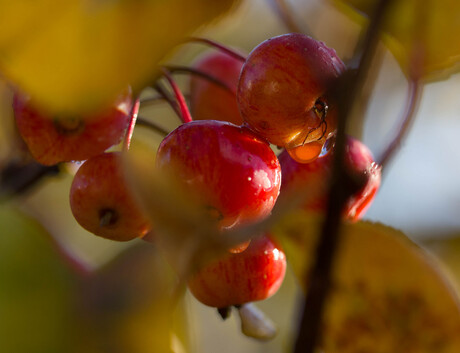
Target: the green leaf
(36, 289)
(387, 294)
(73, 56)
(417, 32)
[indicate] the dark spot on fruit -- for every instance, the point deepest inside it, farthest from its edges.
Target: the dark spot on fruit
(69, 125)
(213, 213)
(264, 125)
(108, 217)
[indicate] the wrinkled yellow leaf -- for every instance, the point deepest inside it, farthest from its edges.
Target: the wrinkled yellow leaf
(36, 289)
(427, 29)
(387, 294)
(75, 55)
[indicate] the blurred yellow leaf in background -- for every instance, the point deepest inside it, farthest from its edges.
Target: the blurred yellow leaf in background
(76, 55)
(427, 29)
(387, 294)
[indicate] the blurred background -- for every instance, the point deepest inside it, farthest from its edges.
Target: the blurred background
(420, 192)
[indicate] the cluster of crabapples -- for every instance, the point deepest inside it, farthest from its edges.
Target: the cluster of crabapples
(277, 96)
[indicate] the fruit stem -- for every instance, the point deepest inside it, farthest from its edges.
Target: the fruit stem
(162, 91)
(219, 47)
(151, 125)
(129, 133)
(224, 312)
(184, 111)
(318, 281)
(193, 71)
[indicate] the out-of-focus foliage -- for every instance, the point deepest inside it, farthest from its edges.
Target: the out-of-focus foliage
(387, 294)
(47, 306)
(76, 55)
(128, 305)
(448, 250)
(37, 289)
(180, 223)
(417, 33)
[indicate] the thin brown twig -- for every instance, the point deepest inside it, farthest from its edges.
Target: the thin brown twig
(285, 13)
(319, 279)
(190, 70)
(141, 121)
(415, 92)
(165, 94)
(218, 46)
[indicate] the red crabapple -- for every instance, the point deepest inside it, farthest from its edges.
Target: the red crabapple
(283, 90)
(251, 275)
(54, 139)
(314, 179)
(235, 173)
(208, 101)
(101, 202)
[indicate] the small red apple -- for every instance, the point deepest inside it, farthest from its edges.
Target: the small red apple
(314, 178)
(54, 139)
(208, 101)
(235, 174)
(283, 90)
(251, 275)
(101, 202)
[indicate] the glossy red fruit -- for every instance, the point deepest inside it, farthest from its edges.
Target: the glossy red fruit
(282, 91)
(254, 274)
(209, 101)
(235, 173)
(314, 177)
(54, 139)
(101, 202)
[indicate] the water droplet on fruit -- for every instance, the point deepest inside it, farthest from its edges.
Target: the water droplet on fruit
(306, 153)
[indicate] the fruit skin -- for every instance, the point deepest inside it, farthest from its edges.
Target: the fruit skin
(280, 82)
(234, 173)
(61, 139)
(99, 187)
(313, 178)
(208, 101)
(251, 275)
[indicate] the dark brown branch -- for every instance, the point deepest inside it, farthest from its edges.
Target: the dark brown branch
(17, 178)
(318, 280)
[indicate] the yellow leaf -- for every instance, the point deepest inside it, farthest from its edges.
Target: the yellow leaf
(448, 250)
(75, 55)
(418, 28)
(387, 294)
